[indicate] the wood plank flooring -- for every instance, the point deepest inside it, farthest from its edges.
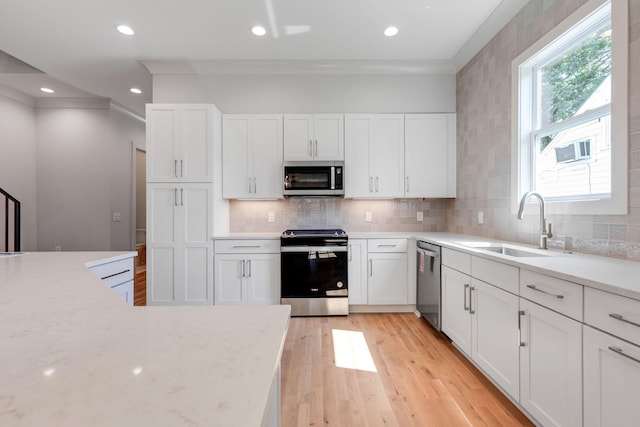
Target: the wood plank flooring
(420, 378)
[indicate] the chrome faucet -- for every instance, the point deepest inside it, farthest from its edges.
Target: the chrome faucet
(545, 229)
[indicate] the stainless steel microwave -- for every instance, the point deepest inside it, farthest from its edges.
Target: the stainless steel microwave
(314, 178)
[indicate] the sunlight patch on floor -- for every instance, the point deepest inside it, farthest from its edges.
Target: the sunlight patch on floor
(351, 351)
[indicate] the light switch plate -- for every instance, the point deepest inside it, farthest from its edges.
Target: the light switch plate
(117, 217)
(419, 216)
(367, 217)
(480, 217)
(271, 217)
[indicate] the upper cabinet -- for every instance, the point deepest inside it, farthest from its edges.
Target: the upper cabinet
(179, 143)
(313, 137)
(430, 155)
(374, 155)
(252, 156)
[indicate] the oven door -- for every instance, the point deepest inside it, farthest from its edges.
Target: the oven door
(314, 272)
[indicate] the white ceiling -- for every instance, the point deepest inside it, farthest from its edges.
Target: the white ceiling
(75, 42)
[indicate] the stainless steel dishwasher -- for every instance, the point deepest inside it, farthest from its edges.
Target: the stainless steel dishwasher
(428, 286)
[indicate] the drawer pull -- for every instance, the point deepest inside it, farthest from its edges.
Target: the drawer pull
(387, 246)
(622, 319)
(533, 287)
(114, 274)
(466, 307)
(622, 353)
(246, 246)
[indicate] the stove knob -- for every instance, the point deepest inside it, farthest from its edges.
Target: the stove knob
(340, 284)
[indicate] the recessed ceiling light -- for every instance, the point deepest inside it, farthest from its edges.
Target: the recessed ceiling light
(391, 31)
(125, 29)
(135, 90)
(46, 90)
(259, 31)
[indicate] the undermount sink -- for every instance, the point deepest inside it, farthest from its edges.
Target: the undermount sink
(514, 252)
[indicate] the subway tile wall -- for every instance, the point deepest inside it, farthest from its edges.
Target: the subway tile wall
(484, 144)
(397, 215)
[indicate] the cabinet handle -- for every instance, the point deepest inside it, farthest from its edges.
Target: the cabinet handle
(182, 168)
(387, 246)
(370, 184)
(249, 181)
(255, 186)
(243, 269)
(246, 246)
(316, 152)
(175, 196)
(533, 287)
(370, 268)
(182, 197)
(466, 307)
(622, 319)
(376, 184)
(175, 168)
(622, 353)
(115, 274)
(471, 311)
(310, 148)
(520, 314)
(248, 268)
(407, 184)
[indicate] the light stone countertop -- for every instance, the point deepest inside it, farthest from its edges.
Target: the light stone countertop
(73, 353)
(604, 273)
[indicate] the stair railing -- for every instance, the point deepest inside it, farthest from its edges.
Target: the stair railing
(11, 216)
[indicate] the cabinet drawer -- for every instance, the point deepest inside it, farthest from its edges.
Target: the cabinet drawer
(612, 313)
(116, 272)
(495, 273)
(558, 295)
(387, 245)
(456, 260)
(264, 246)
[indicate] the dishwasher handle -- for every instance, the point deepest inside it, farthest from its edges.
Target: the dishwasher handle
(427, 252)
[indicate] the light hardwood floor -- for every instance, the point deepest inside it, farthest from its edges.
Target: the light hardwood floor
(420, 378)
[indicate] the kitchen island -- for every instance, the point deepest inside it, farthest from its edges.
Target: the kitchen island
(73, 353)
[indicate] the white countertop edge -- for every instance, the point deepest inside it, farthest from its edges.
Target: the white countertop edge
(111, 257)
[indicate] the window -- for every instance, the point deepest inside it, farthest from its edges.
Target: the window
(571, 109)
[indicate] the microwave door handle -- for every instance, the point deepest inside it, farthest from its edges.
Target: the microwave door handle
(333, 177)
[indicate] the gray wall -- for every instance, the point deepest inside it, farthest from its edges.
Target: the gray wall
(484, 144)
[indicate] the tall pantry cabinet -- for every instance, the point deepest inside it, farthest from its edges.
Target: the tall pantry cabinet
(183, 199)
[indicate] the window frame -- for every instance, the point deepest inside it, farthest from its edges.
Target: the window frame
(523, 104)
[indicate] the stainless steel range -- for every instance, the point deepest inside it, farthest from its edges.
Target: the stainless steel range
(314, 272)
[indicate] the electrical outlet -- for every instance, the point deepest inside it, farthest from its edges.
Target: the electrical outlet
(271, 217)
(58, 248)
(367, 217)
(117, 217)
(480, 217)
(419, 216)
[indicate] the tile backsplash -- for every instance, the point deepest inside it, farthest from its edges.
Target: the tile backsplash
(326, 212)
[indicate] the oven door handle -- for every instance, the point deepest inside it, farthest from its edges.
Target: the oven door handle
(314, 249)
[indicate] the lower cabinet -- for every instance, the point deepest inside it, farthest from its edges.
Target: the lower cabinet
(357, 270)
(246, 276)
(611, 378)
(387, 272)
(550, 366)
(455, 294)
(118, 275)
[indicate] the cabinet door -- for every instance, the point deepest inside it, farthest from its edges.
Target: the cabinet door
(429, 155)
(236, 137)
(263, 279)
(357, 270)
(266, 157)
(230, 283)
(298, 137)
(195, 275)
(162, 136)
(196, 143)
(328, 137)
(550, 366)
(163, 243)
(611, 378)
(387, 156)
(358, 130)
(387, 282)
(494, 343)
(125, 291)
(456, 320)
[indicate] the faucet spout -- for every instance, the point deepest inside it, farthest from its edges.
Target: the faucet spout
(545, 232)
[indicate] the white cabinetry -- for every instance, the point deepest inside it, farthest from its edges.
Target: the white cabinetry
(357, 270)
(456, 322)
(252, 156)
(247, 272)
(313, 137)
(611, 360)
(430, 155)
(374, 155)
(118, 275)
(387, 275)
(179, 246)
(179, 143)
